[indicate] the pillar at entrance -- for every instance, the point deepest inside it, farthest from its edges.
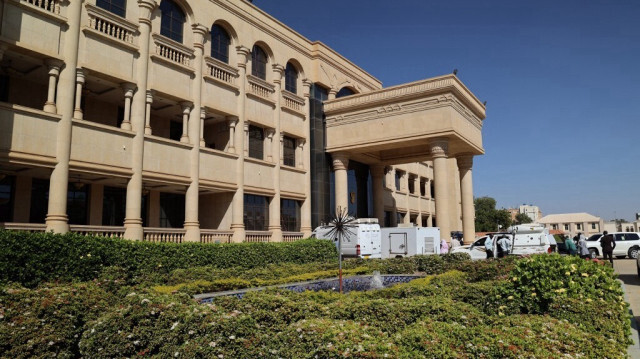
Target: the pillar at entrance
(465, 163)
(439, 151)
(377, 172)
(340, 166)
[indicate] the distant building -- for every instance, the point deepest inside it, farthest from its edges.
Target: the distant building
(613, 226)
(532, 212)
(572, 223)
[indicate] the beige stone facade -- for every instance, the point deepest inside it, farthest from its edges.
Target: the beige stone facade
(199, 128)
(572, 223)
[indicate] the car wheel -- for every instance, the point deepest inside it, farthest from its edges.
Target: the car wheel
(593, 253)
(633, 252)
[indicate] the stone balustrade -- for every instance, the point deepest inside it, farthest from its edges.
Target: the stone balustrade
(172, 50)
(215, 236)
(111, 25)
(291, 236)
(173, 235)
(257, 236)
(292, 101)
(260, 88)
(221, 71)
(52, 6)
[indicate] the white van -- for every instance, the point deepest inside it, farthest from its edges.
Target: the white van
(362, 240)
(398, 242)
(525, 239)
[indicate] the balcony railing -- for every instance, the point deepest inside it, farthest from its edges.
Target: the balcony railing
(111, 25)
(215, 236)
(221, 71)
(260, 88)
(173, 51)
(257, 236)
(52, 6)
(292, 101)
(173, 235)
(291, 236)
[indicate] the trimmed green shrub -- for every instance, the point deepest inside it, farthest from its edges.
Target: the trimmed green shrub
(31, 258)
(48, 321)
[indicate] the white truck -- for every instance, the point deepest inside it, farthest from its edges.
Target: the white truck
(524, 239)
(410, 241)
(362, 240)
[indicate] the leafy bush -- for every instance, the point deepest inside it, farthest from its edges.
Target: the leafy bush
(31, 258)
(48, 321)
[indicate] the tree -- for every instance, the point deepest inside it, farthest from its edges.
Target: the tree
(522, 218)
(488, 218)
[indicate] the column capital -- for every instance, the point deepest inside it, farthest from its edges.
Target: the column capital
(81, 75)
(465, 161)
(269, 132)
(243, 55)
(199, 32)
(301, 142)
(203, 113)
(149, 97)
(306, 86)
(246, 126)
(186, 107)
(278, 72)
(340, 160)
(232, 121)
(332, 93)
(54, 66)
(128, 88)
(146, 7)
(439, 148)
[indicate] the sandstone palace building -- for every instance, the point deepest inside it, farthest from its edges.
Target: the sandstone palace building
(209, 120)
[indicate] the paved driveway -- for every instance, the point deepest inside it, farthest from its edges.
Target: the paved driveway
(628, 274)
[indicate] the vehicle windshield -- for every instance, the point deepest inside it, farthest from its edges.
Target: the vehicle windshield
(479, 242)
(595, 237)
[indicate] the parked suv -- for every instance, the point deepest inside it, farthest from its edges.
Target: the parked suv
(627, 244)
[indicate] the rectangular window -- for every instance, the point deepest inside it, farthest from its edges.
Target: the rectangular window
(6, 198)
(114, 205)
(256, 213)
(175, 130)
(256, 142)
(39, 200)
(290, 215)
(289, 151)
(398, 178)
(400, 217)
(425, 221)
(423, 187)
(78, 202)
(579, 226)
(171, 210)
(115, 6)
(593, 226)
(412, 187)
(554, 226)
(566, 227)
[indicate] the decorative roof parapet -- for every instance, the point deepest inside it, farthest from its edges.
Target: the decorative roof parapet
(409, 90)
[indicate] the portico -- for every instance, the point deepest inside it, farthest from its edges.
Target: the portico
(437, 120)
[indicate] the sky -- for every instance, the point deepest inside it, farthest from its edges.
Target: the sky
(561, 80)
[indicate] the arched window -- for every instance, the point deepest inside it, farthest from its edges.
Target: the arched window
(345, 91)
(173, 20)
(291, 78)
(117, 7)
(220, 41)
(258, 62)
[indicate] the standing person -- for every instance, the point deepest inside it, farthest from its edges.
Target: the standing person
(582, 246)
(504, 247)
(488, 246)
(608, 243)
(444, 246)
(570, 245)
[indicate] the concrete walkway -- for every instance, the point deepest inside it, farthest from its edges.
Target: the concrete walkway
(628, 275)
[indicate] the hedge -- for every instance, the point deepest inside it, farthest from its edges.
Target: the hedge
(31, 258)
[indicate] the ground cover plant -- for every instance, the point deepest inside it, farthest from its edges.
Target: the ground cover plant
(545, 306)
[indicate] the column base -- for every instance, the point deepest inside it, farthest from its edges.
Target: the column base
(77, 114)
(133, 229)
(57, 223)
(50, 107)
(184, 139)
(202, 144)
(126, 126)
(239, 233)
(276, 234)
(147, 130)
(192, 232)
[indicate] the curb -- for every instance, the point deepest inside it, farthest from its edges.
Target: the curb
(634, 349)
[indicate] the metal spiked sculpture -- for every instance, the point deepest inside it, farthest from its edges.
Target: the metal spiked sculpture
(342, 224)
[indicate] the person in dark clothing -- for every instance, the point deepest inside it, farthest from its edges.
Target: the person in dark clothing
(608, 243)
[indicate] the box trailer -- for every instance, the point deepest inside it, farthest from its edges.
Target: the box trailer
(362, 239)
(400, 242)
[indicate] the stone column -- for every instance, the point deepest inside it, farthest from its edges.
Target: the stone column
(80, 79)
(332, 94)
(203, 115)
(192, 197)
(245, 136)
(340, 166)
(237, 216)
(232, 122)
(439, 152)
(276, 151)
(54, 66)
(57, 219)
(186, 111)
(147, 117)
(128, 89)
(405, 184)
(377, 172)
(465, 163)
(416, 189)
(139, 113)
(299, 153)
(305, 210)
